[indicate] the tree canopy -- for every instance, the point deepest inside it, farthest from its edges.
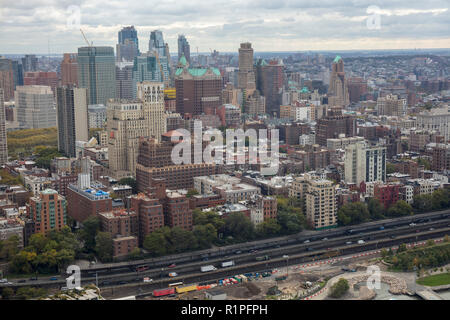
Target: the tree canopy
(353, 213)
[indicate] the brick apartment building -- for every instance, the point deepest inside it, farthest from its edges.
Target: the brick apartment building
(123, 226)
(150, 214)
(334, 124)
(48, 211)
(154, 161)
(84, 202)
(387, 194)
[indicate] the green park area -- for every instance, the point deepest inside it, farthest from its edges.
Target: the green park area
(22, 143)
(435, 280)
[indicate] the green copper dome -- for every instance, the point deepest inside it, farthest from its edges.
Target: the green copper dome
(304, 90)
(183, 60)
(337, 59)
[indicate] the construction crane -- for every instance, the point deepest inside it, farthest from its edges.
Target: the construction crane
(85, 39)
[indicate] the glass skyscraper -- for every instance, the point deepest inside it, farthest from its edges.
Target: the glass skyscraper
(156, 43)
(128, 33)
(146, 68)
(157, 46)
(184, 48)
(97, 73)
(128, 46)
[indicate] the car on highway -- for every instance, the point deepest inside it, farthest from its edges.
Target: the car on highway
(324, 239)
(3, 280)
(306, 241)
(348, 242)
(238, 252)
(53, 278)
(173, 265)
(431, 229)
(361, 242)
(22, 281)
(173, 274)
(123, 282)
(33, 278)
(309, 249)
(412, 224)
(393, 237)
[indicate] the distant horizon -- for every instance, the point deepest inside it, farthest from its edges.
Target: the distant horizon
(412, 50)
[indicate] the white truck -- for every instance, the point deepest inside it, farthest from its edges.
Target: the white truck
(227, 264)
(207, 268)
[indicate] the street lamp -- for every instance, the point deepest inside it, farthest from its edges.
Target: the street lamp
(287, 264)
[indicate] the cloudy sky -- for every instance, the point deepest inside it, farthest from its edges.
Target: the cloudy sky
(34, 26)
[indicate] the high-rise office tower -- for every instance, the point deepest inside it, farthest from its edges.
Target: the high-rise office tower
(158, 47)
(128, 33)
(126, 51)
(29, 63)
(124, 80)
(97, 73)
(146, 68)
(184, 48)
(125, 124)
(364, 163)
(128, 46)
(246, 74)
(156, 43)
(35, 107)
(198, 90)
(128, 120)
(3, 142)
(152, 96)
(338, 91)
(17, 73)
(69, 69)
(71, 105)
(269, 82)
(7, 78)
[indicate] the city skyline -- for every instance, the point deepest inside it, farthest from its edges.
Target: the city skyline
(290, 26)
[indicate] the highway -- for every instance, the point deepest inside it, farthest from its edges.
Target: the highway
(337, 240)
(222, 252)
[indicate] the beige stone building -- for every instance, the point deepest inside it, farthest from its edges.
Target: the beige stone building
(391, 105)
(128, 120)
(320, 200)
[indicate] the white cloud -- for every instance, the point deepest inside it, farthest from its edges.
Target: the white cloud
(28, 26)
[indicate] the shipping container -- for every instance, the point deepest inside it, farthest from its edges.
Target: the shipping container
(186, 289)
(163, 292)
